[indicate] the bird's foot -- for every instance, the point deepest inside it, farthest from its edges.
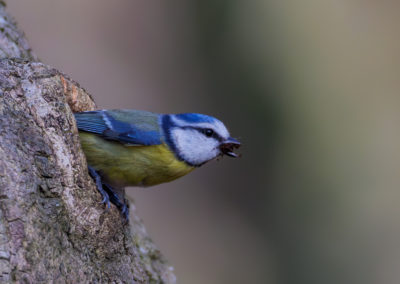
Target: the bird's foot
(97, 178)
(110, 194)
(121, 203)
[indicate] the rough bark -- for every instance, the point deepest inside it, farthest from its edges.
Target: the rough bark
(53, 227)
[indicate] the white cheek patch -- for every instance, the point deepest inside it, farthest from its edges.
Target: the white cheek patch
(194, 147)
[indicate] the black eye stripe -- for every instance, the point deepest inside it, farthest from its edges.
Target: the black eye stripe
(214, 135)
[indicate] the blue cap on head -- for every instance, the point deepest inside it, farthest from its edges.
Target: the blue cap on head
(195, 117)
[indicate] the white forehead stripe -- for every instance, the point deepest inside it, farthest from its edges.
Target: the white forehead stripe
(216, 125)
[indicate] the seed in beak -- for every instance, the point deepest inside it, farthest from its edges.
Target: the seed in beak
(228, 146)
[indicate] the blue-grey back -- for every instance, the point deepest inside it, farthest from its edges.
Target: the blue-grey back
(131, 127)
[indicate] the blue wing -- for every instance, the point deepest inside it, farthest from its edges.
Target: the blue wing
(130, 127)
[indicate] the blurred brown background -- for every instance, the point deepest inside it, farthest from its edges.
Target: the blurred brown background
(311, 88)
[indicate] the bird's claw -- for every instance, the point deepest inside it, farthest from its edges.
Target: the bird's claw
(125, 212)
(121, 203)
(97, 178)
(109, 194)
(106, 200)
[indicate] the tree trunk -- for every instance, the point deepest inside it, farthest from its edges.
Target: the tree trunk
(53, 227)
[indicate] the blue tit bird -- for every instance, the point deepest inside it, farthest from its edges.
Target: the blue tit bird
(140, 148)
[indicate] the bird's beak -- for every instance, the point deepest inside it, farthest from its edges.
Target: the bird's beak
(228, 146)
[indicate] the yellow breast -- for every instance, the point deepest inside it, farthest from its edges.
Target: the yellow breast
(132, 165)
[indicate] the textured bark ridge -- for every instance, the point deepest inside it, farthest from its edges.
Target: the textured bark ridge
(53, 227)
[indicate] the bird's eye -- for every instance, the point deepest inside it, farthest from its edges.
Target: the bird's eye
(208, 132)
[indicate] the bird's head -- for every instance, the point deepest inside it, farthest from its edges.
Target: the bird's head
(197, 138)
